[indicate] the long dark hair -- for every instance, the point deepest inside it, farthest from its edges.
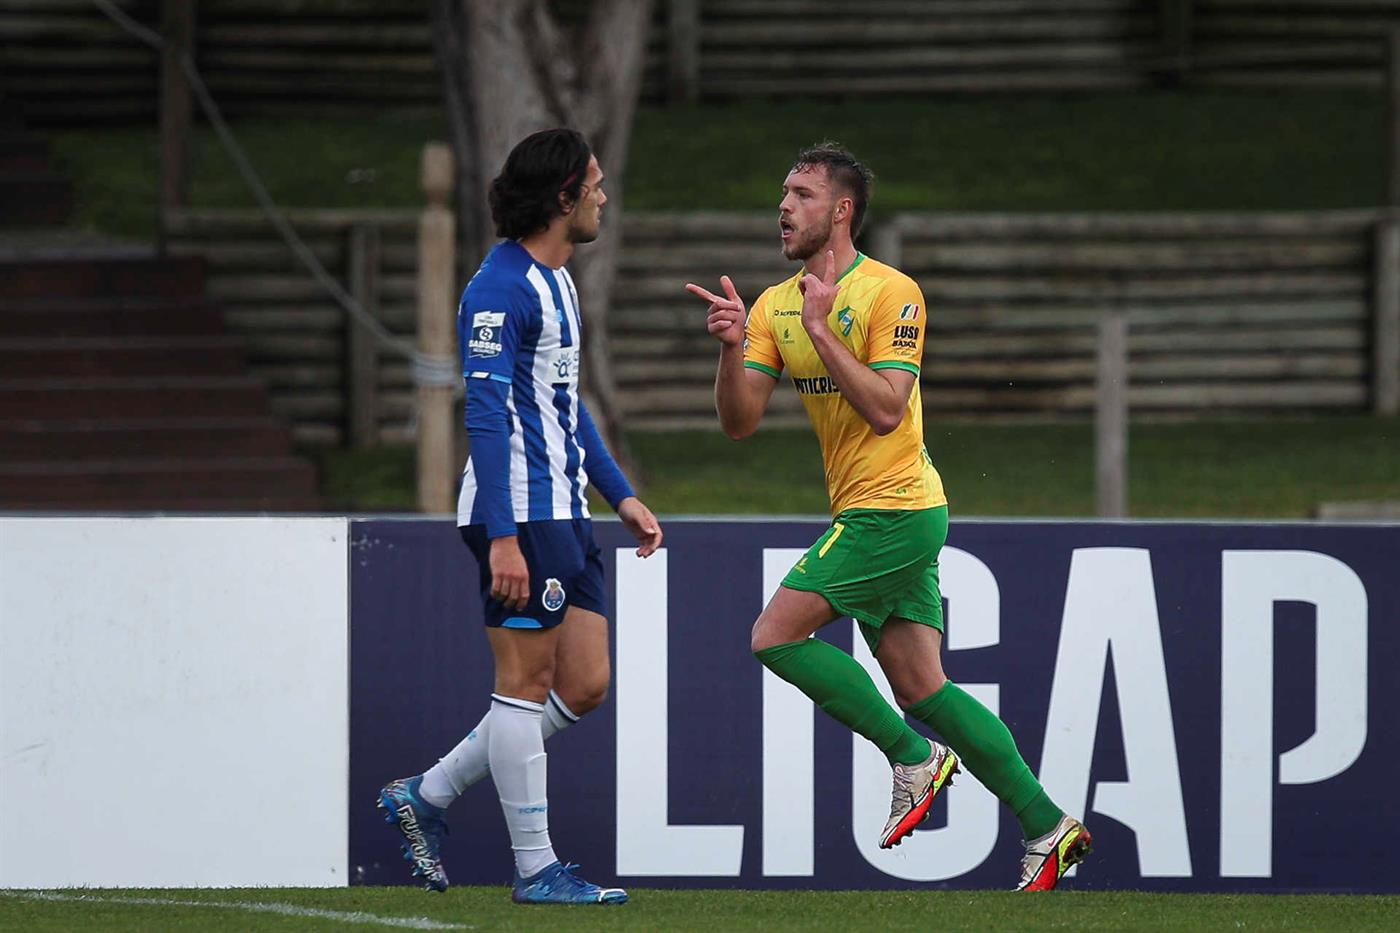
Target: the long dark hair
(525, 196)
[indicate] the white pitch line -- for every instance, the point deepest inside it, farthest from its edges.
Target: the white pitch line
(286, 910)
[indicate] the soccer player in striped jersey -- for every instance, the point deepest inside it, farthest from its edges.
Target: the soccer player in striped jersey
(524, 515)
(850, 331)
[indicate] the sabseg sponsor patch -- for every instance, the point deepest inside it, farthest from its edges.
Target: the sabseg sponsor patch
(485, 337)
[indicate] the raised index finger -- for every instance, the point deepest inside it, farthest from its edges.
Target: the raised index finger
(830, 277)
(697, 290)
(729, 289)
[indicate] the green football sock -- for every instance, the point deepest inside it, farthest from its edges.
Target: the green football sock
(839, 685)
(986, 747)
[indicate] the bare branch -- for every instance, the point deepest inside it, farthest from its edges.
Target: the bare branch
(553, 63)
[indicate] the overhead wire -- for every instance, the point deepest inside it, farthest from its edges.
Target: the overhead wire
(427, 369)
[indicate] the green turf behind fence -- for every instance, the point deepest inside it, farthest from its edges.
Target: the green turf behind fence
(1272, 469)
(1147, 150)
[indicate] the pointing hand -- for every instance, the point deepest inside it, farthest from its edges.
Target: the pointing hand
(726, 315)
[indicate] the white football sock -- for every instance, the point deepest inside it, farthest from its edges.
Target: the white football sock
(468, 762)
(515, 746)
(557, 716)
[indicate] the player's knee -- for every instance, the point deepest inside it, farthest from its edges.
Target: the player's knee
(594, 699)
(916, 691)
(761, 637)
(586, 697)
(903, 699)
(584, 687)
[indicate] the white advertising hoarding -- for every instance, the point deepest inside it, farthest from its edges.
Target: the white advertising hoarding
(173, 702)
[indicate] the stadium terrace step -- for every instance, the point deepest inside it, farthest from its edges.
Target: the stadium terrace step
(107, 317)
(33, 198)
(167, 277)
(40, 399)
(23, 153)
(130, 484)
(154, 437)
(32, 192)
(121, 391)
(83, 357)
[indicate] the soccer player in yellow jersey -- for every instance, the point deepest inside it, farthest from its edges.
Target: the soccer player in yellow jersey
(850, 332)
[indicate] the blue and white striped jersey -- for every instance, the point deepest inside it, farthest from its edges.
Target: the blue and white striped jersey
(519, 327)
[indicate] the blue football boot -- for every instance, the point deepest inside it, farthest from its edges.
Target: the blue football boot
(422, 826)
(557, 884)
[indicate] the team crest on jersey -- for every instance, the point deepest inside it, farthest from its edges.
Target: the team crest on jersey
(846, 320)
(909, 313)
(553, 597)
(485, 339)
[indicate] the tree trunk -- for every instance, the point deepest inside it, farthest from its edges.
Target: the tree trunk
(519, 70)
(474, 231)
(616, 44)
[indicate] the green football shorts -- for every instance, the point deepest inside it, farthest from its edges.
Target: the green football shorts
(876, 564)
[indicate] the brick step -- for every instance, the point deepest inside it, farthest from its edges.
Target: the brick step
(34, 198)
(90, 318)
(42, 244)
(86, 357)
(57, 399)
(121, 483)
(155, 437)
(87, 278)
(23, 154)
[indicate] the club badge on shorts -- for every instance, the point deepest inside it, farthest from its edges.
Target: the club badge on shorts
(553, 597)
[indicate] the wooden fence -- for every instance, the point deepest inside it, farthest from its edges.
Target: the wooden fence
(1226, 312)
(1247, 313)
(747, 48)
(64, 62)
(1314, 43)
(331, 381)
(664, 359)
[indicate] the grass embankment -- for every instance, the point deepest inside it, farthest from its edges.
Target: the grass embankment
(1203, 469)
(1207, 150)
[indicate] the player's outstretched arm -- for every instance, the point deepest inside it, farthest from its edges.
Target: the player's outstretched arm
(741, 394)
(609, 480)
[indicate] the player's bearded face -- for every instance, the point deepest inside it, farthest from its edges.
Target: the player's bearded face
(805, 213)
(587, 216)
(805, 240)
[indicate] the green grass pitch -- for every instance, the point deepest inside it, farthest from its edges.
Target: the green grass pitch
(287, 909)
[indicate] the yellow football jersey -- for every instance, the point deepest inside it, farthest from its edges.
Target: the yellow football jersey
(879, 316)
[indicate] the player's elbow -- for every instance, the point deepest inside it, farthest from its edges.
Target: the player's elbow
(735, 427)
(884, 423)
